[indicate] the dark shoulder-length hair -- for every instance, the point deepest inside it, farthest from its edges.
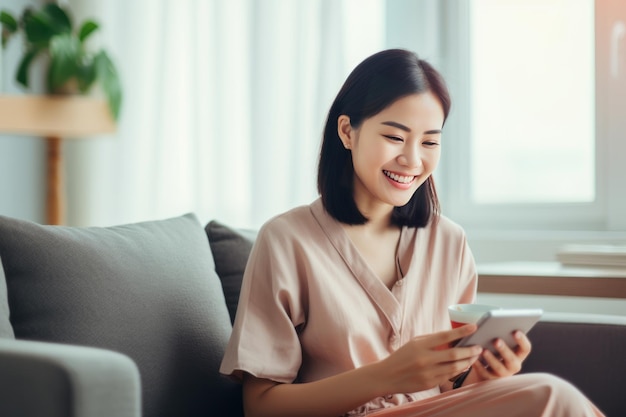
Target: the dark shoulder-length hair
(373, 85)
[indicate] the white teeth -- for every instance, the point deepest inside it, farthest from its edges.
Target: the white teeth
(399, 178)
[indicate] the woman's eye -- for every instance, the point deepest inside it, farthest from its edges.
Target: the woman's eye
(394, 138)
(431, 144)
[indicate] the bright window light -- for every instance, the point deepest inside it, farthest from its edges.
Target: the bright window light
(532, 101)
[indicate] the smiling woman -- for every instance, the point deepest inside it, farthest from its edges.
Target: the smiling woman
(374, 252)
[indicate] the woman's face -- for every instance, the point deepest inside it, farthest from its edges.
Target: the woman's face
(394, 151)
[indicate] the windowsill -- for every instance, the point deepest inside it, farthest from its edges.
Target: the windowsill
(551, 278)
(547, 235)
(490, 246)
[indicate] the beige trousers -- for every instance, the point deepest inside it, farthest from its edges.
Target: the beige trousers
(528, 395)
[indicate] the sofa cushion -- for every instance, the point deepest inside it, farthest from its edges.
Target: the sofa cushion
(148, 290)
(6, 331)
(579, 352)
(231, 249)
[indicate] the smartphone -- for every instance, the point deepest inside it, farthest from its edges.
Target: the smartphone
(501, 324)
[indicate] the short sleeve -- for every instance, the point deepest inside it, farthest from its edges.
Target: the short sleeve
(264, 341)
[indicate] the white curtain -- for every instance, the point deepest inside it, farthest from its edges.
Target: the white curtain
(224, 106)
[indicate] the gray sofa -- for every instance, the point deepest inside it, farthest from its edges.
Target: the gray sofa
(132, 320)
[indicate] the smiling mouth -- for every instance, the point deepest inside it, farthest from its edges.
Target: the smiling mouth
(402, 179)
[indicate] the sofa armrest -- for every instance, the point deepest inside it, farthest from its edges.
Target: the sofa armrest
(56, 380)
(586, 350)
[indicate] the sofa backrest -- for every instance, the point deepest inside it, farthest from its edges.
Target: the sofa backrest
(6, 331)
(148, 290)
(231, 250)
(586, 350)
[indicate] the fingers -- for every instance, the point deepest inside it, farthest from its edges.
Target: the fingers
(443, 341)
(448, 336)
(453, 369)
(507, 361)
(523, 344)
(438, 360)
(470, 353)
(504, 365)
(483, 373)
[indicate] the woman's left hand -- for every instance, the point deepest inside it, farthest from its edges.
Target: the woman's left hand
(507, 362)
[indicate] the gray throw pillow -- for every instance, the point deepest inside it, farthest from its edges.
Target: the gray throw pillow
(6, 331)
(148, 290)
(231, 249)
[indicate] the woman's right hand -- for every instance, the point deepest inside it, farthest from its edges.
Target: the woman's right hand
(427, 361)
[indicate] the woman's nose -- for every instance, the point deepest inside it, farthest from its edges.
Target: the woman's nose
(410, 157)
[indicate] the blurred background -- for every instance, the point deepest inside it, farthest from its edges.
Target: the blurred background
(225, 100)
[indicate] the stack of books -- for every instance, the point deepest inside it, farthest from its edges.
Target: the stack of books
(593, 255)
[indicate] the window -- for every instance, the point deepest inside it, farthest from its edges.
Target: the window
(532, 101)
(533, 140)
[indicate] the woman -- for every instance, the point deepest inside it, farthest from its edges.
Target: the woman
(343, 308)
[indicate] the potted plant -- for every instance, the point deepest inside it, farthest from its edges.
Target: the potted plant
(71, 67)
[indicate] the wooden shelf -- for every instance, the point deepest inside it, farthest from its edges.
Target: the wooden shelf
(551, 278)
(57, 116)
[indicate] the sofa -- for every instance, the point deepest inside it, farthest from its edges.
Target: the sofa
(132, 320)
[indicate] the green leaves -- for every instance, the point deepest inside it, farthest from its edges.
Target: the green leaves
(57, 18)
(9, 26)
(22, 70)
(85, 75)
(107, 74)
(87, 29)
(42, 25)
(49, 30)
(8, 21)
(65, 54)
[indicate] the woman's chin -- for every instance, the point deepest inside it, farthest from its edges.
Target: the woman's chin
(399, 202)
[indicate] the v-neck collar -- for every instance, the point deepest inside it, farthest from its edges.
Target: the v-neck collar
(382, 296)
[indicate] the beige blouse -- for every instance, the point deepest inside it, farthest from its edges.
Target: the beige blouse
(310, 306)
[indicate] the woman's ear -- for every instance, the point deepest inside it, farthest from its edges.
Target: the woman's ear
(345, 131)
